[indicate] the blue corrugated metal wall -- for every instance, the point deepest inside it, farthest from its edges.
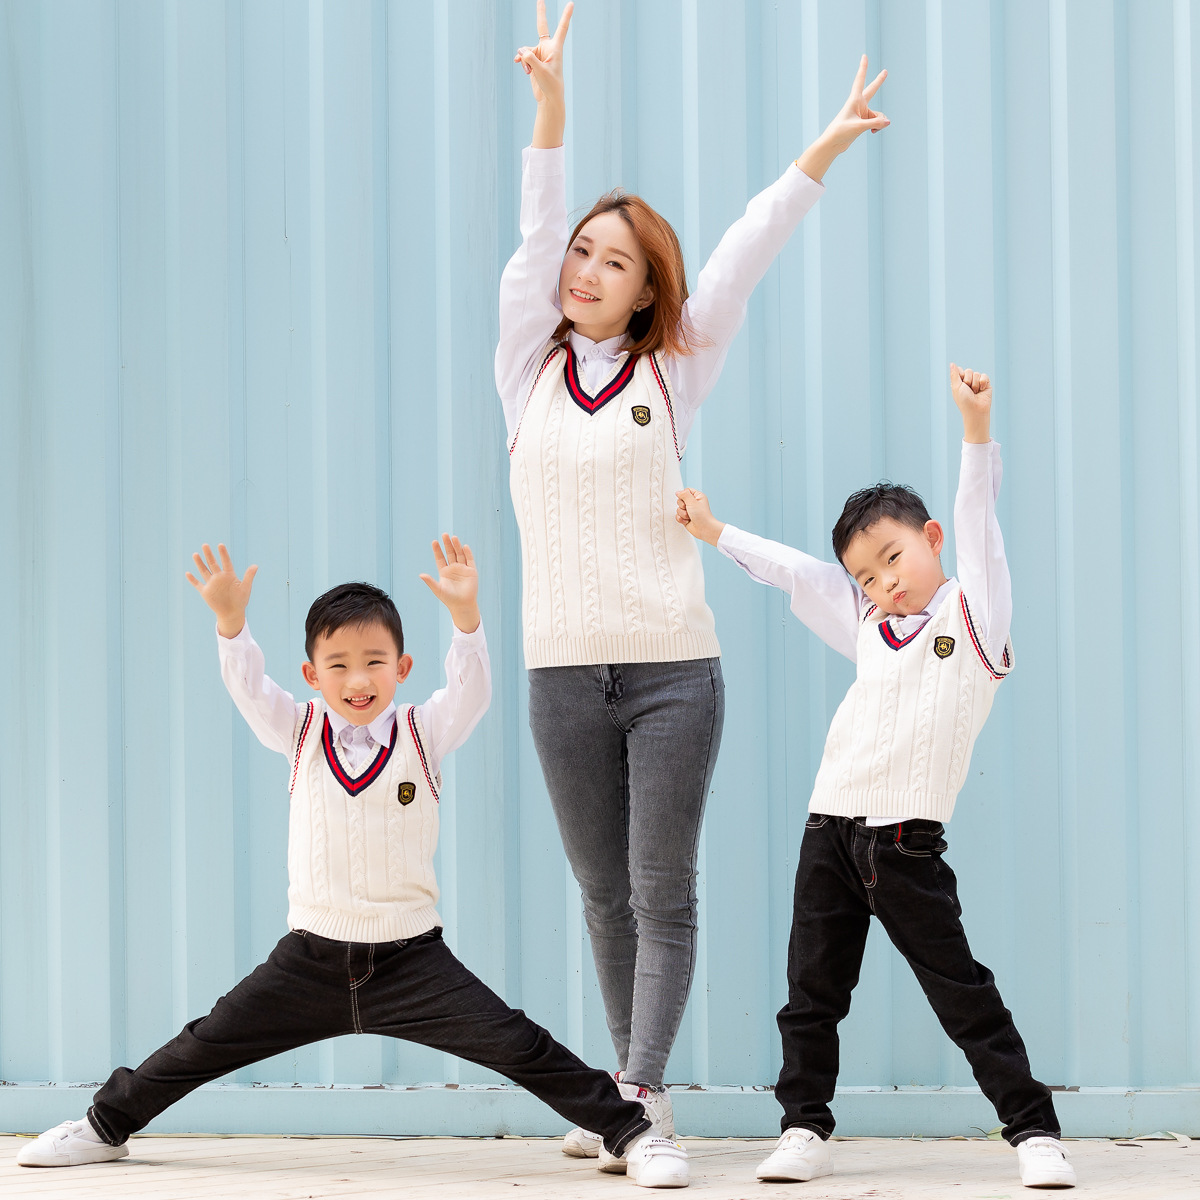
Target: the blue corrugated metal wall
(250, 255)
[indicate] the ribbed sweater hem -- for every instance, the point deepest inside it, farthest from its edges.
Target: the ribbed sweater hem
(621, 648)
(388, 924)
(884, 802)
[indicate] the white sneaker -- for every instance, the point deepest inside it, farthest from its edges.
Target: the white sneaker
(71, 1144)
(614, 1164)
(657, 1162)
(581, 1143)
(799, 1156)
(657, 1105)
(1043, 1162)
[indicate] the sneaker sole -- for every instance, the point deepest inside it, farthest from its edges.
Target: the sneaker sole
(579, 1152)
(663, 1181)
(794, 1176)
(74, 1160)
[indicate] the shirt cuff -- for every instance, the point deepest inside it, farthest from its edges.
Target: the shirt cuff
(241, 638)
(804, 183)
(979, 459)
(739, 546)
(470, 641)
(730, 540)
(535, 161)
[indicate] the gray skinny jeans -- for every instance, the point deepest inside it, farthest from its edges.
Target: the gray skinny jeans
(628, 752)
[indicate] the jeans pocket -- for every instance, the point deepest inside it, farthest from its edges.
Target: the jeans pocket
(920, 839)
(816, 821)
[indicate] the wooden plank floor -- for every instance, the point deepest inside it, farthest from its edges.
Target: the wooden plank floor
(208, 1168)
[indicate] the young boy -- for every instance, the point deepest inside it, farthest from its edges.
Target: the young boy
(931, 652)
(365, 952)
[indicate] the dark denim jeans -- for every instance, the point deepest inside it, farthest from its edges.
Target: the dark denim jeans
(847, 872)
(312, 988)
(628, 752)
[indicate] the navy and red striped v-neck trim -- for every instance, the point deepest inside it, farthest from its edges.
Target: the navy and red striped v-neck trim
(355, 783)
(614, 387)
(890, 638)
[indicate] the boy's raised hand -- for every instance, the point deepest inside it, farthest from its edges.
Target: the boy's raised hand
(693, 513)
(973, 395)
(221, 589)
(457, 584)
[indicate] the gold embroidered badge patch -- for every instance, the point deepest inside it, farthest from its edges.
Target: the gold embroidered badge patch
(407, 793)
(641, 414)
(943, 647)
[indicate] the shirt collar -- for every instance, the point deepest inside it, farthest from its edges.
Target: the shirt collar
(934, 604)
(940, 595)
(379, 730)
(610, 347)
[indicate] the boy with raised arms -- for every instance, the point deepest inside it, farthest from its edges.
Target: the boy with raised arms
(931, 652)
(365, 952)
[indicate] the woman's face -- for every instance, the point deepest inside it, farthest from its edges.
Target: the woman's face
(604, 278)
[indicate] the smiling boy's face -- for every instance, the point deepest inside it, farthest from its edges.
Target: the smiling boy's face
(356, 670)
(897, 565)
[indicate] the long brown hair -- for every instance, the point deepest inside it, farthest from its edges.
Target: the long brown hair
(660, 325)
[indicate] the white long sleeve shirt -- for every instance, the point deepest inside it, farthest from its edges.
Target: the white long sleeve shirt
(826, 598)
(447, 717)
(530, 310)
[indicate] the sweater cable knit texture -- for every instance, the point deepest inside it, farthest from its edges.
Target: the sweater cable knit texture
(901, 740)
(361, 861)
(608, 574)
(631, 598)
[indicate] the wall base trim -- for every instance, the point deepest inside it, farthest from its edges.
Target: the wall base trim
(483, 1111)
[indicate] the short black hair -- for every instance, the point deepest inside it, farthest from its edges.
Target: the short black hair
(872, 504)
(351, 604)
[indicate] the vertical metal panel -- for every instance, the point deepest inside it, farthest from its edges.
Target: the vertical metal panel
(250, 258)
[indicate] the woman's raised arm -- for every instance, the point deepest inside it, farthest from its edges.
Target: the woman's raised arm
(529, 311)
(855, 118)
(543, 64)
(717, 308)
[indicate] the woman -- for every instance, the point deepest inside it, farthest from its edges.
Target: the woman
(602, 364)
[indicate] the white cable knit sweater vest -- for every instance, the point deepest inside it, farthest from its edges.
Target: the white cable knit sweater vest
(902, 738)
(608, 574)
(360, 848)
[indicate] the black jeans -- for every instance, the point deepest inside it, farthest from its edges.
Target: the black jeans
(848, 871)
(312, 988)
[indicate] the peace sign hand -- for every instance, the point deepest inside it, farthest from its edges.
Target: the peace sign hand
(543, 63)
(856, 115)
(221, 589)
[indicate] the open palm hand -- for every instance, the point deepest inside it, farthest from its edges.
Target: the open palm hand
(220, 587)
(457, 584)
